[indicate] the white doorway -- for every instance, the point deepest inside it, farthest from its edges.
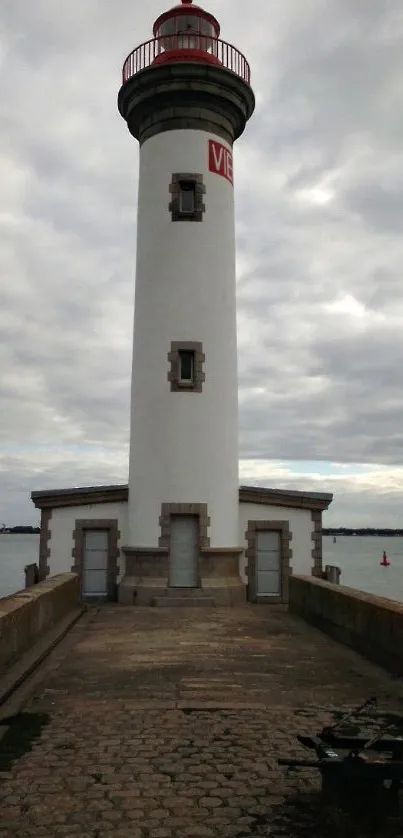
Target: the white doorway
(268, 564)
(184, 553)
(95, 564)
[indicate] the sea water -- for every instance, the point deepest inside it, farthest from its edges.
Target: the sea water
(359, 559)
(16, 551)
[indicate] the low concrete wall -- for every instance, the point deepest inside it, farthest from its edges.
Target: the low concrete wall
(28, 615)
(369, 624)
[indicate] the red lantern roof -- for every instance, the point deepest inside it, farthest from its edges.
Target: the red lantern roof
(198, 18)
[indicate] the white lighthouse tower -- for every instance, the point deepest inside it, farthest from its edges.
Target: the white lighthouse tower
(186, 97)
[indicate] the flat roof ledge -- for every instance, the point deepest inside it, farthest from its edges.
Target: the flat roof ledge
(53, 498)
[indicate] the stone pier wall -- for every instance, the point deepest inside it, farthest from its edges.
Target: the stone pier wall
(371, 625)
(28, 615)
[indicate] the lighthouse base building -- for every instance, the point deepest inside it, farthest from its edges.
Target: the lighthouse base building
(84, 530)
(182, 531)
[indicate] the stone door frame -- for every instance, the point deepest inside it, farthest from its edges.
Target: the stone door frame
(113, 570)
(283, 528)
(198, 510)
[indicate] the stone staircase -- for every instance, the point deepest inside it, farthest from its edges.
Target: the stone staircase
(183, 597)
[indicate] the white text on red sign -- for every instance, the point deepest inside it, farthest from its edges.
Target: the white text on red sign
(220, 160)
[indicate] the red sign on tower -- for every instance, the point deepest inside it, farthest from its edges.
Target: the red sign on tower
(220, 160)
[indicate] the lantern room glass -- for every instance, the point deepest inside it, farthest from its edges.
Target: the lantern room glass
(186, 32)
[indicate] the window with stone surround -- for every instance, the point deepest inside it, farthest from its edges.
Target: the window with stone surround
(187, 192)
(186, 359)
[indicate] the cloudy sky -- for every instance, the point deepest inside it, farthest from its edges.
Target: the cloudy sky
(319, 180)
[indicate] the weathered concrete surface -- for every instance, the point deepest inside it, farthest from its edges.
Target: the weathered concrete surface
(161, 724)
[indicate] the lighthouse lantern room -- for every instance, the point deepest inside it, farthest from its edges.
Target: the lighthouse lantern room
(189, 28)
(186, 97)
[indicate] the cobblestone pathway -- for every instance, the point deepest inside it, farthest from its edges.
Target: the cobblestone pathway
(155, 723)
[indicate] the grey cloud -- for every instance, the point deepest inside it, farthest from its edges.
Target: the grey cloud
(380, 207)
(353, 506)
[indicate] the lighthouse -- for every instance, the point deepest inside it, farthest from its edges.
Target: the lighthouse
(186, 97)
(182, 531)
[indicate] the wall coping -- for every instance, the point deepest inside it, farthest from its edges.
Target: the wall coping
(293, 499)
(343, 590)
(147, 552)
(53, 498)
(224, 551)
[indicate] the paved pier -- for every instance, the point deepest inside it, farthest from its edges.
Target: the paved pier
(161, 723)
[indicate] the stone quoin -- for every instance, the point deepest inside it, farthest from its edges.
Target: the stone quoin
(183, 531)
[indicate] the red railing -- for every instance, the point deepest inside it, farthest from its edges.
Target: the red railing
(224, 54)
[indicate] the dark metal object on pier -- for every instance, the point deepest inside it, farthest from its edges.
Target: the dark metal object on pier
(361, 768)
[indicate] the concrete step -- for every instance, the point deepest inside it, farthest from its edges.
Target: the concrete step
(183, 602)
(184, 592)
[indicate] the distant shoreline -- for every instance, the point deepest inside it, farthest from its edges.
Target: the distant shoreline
(21, 531)
(384, 533)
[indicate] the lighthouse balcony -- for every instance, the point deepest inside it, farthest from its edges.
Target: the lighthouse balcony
(187, 46)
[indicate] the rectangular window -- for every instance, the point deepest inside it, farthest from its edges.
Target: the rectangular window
(187, 190)
(187, 198)
(186, 359)
(186, 366)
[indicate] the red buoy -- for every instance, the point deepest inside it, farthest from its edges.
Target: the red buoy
(385, 561)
